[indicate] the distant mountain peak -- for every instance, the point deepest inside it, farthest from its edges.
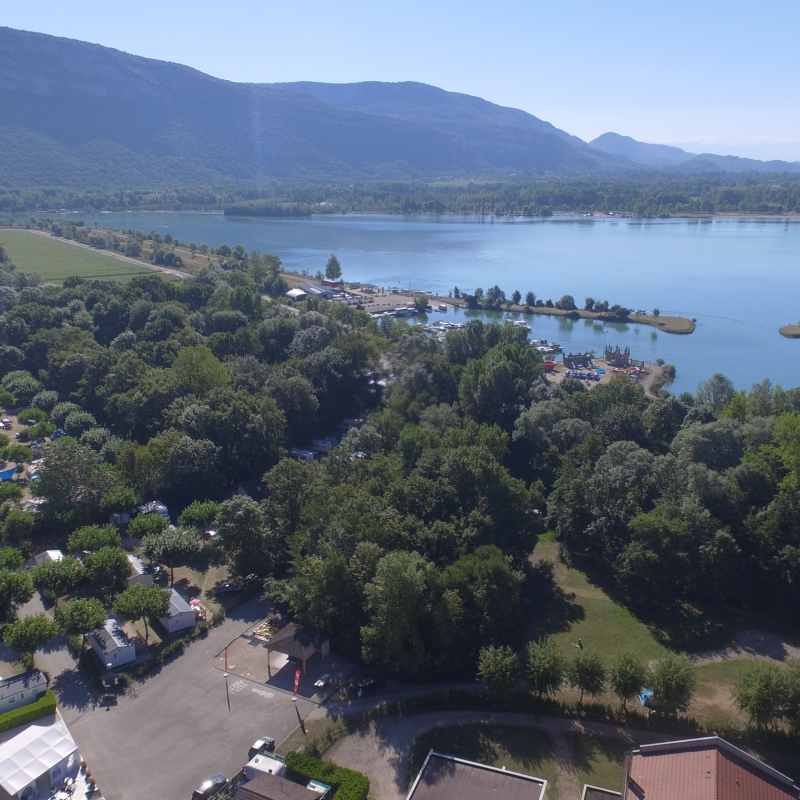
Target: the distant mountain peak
(664, 156)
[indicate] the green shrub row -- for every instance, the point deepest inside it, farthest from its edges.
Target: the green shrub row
(44, 705)
(345, 783)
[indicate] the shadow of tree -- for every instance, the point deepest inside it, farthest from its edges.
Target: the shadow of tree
(554, 610)
(588, 750)
(71, 689)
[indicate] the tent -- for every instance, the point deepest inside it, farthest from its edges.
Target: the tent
(37, 751)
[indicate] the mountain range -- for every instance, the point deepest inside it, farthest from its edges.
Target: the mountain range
(667, 157)
(81, 115)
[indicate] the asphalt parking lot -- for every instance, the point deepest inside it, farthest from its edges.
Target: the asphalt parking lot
(186, 723)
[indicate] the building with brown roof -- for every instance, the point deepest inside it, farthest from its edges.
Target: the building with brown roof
(450, 778)
(707, 768)
(271, 787)
(300, 645)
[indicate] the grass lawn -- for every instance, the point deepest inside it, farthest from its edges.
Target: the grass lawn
(55, 260)
(713, 701)
(586, 612)
(600, 760)
(524, 750)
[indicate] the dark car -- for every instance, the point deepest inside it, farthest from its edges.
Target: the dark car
(229, 588)
(367, 686)
(209, 788)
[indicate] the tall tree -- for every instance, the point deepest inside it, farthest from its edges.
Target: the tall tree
(674, 681)
(761, 692)
(333, 269)
(16, 588)
(143, 602)
(498, 668)
(56, 578)
(81, 617)
(169, 547)
(628, 675)
(27, 635)
(587, 672)
(545, 666)
(107, 568)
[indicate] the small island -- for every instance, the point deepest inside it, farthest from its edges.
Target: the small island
(790, 331)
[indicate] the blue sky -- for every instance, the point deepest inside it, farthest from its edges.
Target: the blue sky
(703, 72)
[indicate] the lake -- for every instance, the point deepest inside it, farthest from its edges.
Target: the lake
(737, 277)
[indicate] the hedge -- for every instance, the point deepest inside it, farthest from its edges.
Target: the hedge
(44, 705)
(346, 783)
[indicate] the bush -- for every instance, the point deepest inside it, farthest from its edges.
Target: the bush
(30, 416)
(346, 783)
(147, 525)
(10, 491)
(44, 705)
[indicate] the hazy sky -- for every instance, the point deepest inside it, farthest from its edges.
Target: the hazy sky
(706, 71)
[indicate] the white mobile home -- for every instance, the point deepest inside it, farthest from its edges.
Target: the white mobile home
(180, 617)
(138, 573)
(21, 690)
(112, 646)
(48, 555)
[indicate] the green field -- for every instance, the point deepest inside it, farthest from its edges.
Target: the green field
(584, 611)
(55, 260)
(524, 750)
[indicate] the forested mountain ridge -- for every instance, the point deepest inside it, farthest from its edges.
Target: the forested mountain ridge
(79, 114)
(505, 138)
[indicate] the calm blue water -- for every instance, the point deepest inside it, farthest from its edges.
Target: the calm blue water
(739, 278)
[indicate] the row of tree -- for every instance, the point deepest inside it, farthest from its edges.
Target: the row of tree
(546, 669)
(641, 195)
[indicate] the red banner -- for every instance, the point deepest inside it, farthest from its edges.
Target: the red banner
(296, 680)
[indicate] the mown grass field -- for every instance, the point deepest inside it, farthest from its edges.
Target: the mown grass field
(584, 611)
(56, 260)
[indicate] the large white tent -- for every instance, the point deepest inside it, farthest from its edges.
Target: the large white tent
(33, 753)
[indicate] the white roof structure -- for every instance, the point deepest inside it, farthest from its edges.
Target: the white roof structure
(177, 605)
(137, 564)
(49, 555)
(111, 636)
(296, 294)
(32, 753)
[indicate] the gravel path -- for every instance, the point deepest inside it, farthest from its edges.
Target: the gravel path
(383, 750)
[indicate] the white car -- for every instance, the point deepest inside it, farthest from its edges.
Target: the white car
(323, 681)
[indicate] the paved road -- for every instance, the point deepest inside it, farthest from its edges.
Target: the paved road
(75, 696)
(180, 729)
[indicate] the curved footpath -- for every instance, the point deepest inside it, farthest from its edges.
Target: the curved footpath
(382, 751)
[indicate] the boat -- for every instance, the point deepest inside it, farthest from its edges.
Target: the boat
(442, 308)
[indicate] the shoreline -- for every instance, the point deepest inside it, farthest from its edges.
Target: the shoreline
(613, 215)
(680, 326)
